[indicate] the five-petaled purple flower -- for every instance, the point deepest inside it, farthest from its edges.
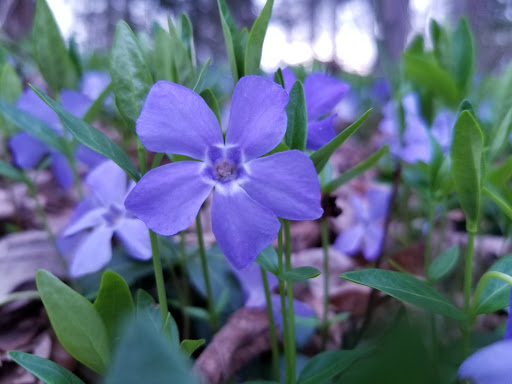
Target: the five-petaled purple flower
(251, 192)
(322, 93)
(491, 364)
(27, 151)
(104, 213)
(367, 230)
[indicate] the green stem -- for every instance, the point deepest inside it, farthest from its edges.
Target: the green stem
(76, 176)
(428, 246)
(272, 327)
(23, 295)
(468, 279)
(159, 276)
(206, 275)
(141, 154)
(184, 270)
(325, 247)
(284, 315)
(289, 290)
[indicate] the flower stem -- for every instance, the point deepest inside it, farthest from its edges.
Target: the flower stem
(282, 295)
(183, 264)
(468, 278)
(272, 327)
(159, 276)
(428, 246)
(289, 290)
(206, 275)
(325, 247)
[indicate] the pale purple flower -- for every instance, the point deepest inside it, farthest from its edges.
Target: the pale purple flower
(27, 151)
(251, 192)
(366, 232)
(442, 130)
(103, 215)
(491, 364)
(322, 93)
(93, 83)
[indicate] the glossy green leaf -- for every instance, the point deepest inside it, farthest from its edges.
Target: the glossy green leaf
(10, 172)
(278, 77)
(496, 293)
(355, 171)
(33, 126)
(211, 101)
(499, 136)
(463, 55)
(90, 136)
(76, 322)
(45, 370)
(240, 49)
(444, 264)
(324, 366)
(255, 40)
(182, 63)
(114, 302)
(322, 155)
(131, 78)
(267, 259)
(230, 36)
(466, 156)
(430, 77)
(162, 59)
(186, 33)
(500, 200)
(201, 76)
(406, 288)
(297, 128)
(50, 52)
(188, 347)
(299, 274)
(10, 84)
(144, 356)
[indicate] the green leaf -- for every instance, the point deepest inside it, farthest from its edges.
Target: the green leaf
(186, 33)
(355, 171)
(45, 370)
(324, 366)
(297, 128)
(500, 200)
(406, 288)
(429, 76)
(466, 156)
(230, 33)
(50, 52)
(182, 63)
(114, 302)
(496, 293)
(463, 55)
(278, 77)
(188, 347)
(10, 172)
(33, 126)
(444, 263)
(322, 155)
(131, 78)
(90, 136)
(267, 259)
(255, 40)
(76, 322)
(442, 46)
(299, 274)
(144, 356)
(200, 78)
(499, 136)
(95, 109)
(211, 101)
(162, 60)
(10, 84)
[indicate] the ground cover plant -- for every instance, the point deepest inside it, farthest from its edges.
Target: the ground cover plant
(246, 234)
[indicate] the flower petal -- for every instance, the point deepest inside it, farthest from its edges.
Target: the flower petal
(89, 157)
(320, 132)
(492, 364)
(108, 183)
(75, 102)
(257, 122)
(322, 94)
(349, 241)
(378, 201)
(251, 282)
(286, 183)
(27, 151)
(134, 235)
(168, 198)
(31, 103)
(89, 219)
(62, 170)
(93, 253)
(289, 79)
(242, 227)
(374, 234)
(176, 120)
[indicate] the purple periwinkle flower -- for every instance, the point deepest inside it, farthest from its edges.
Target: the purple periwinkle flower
(251, 192)
(103, 215)
(367, 230)
(491, 364)
(322, 93)
(27, 151)
(93, 83)
(442, 130)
